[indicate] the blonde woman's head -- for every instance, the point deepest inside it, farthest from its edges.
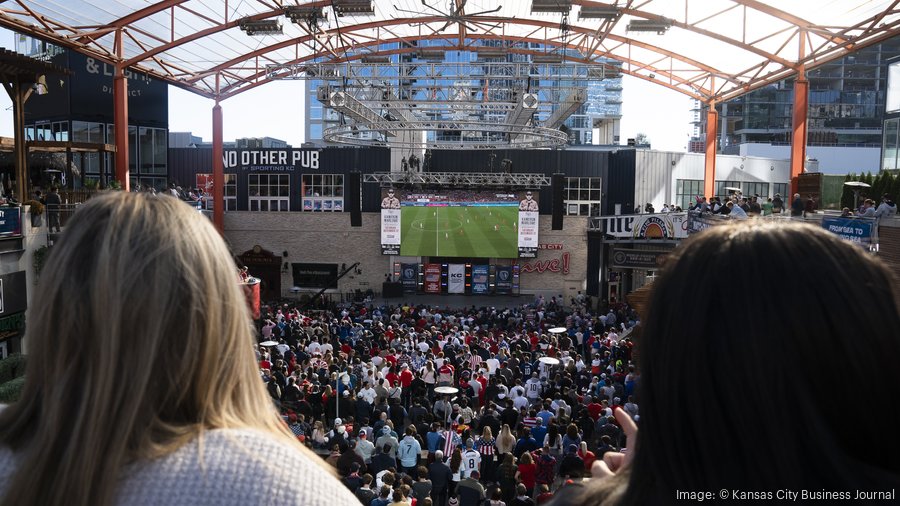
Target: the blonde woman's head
(141, 340)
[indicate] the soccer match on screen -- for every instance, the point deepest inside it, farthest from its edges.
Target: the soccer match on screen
(460, 224)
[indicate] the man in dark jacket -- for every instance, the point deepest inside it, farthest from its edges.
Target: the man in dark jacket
(797, 206)
(382, 460)
(440, 475)
(349, 457)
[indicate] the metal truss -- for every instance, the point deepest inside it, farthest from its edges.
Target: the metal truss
(458, 179)
(476, 135)
(362, 72)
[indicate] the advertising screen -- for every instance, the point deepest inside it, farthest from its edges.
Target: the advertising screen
(459, 223)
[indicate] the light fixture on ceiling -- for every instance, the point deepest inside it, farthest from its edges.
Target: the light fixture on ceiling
(376, 59)
(551, 5)
(431, 55)
(660, 26)
(354, 7)
(599, 12)
(261, 27)
(305, 14)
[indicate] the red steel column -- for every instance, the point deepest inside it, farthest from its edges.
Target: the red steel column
(120, 116)
(799, 131)
(800, 113)
(218, 170)
(709, 173)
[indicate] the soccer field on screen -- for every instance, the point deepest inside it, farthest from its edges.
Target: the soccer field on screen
(469, 231)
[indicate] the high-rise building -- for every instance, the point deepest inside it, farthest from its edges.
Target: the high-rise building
(846, 109)
(596, 121)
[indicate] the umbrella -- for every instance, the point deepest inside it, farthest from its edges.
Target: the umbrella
(557, 330)
(446, 390)
(268, 343)
(545, 360)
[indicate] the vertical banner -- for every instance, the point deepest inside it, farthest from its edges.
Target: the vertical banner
(528, 226)
(456, 282)
(251, 292)
(504, 280)
(480, 279)
(408, 277)
(390, 231)
(390, 223)
(432, 278)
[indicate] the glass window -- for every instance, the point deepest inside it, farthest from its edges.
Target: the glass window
(687, 191)
(889, 152)
(322, 192)
(269, 192)
(761, 189)
(204, 183)
(724, 194)
(781, 189)
(582, 195)
(152, 143)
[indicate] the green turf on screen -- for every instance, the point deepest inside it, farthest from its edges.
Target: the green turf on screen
(484, 232)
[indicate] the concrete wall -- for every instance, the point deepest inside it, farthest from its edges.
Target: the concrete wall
(832, 159)
(329, 238)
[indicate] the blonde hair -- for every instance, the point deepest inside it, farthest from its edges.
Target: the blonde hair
(142, 341)
(486, 433)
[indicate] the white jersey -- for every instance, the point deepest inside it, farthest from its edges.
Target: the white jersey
(471, 461)
(533, 388)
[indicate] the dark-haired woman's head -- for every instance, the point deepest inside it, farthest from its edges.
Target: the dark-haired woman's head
(756, 332)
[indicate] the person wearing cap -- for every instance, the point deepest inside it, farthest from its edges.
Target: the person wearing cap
(528, 203)
(364, 447)
(470, 491)
(348, 459)
(887, 208)
(572, 466)
(389, 440)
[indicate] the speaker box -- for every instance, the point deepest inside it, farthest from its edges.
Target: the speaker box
(353, 198)
(558, 182)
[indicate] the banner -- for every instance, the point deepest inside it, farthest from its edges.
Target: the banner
(638, 259)
(857, 230)
(456, 278)
(480, 279)
(647, 226)
(390, 231)
(528, 226)
(504, 280)
(409, 274)
(432, 278)
(10, 221)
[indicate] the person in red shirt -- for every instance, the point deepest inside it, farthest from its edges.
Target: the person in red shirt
(594, 409)
(587, 456)
(405, 376)
(392, 377)
(526, 473)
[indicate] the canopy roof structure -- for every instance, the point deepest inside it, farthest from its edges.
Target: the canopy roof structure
(711, 50)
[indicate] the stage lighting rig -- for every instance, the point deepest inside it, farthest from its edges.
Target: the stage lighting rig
(254, 27)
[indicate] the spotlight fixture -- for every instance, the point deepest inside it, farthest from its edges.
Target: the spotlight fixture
(354, 7)
(551, 5)
(305, 14)
(376, 59)
(261, 27)
(548, 58)
(599, 12)
(660, 26)
(431, 55)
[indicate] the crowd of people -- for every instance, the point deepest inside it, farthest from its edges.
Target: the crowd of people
(526, 411)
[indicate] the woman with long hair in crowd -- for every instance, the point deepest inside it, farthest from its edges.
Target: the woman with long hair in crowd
(142, 385)
(506, 442)
(738, 391)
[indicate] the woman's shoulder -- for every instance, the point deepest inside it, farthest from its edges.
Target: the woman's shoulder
(232, 466)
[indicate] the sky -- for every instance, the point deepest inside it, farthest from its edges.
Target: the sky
(276, 110)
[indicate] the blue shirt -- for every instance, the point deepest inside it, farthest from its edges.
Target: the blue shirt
(409, 451)
(433, 440)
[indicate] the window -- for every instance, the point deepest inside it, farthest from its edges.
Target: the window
(889, 151)
(205, 183)
(269, 192)
(687, 191)
(322, 192)
(724, 194)
(152, 143)
(751, 189)
(582, 196)
(781, 189)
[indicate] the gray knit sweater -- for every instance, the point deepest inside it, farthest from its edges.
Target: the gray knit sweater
(237, 467)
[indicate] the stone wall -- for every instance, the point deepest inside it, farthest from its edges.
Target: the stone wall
(329, 238)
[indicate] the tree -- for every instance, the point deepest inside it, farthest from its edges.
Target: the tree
(847, 194)
(641, 139)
